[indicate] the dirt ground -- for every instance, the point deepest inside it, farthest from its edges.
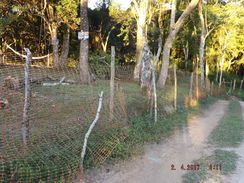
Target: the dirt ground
(186, 145)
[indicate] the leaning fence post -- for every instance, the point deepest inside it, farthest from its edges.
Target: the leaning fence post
(83, 152)
(25, 122)
(175, 89)
(112, 68)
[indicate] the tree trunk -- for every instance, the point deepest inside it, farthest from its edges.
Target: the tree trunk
(223, 59)
(169, 41)
(84, 44)
(186, 55)
(146, 71)
(175, 88)
(166, 54)
(105, 43)
(168, 46)
(65, 48)
(55, 43)
(217, 72)
(202, 42)
(141, 35)
(221, 68)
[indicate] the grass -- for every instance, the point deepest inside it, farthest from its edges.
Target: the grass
(229, 132)
(226, 159)
(239, 93)
(142, 131)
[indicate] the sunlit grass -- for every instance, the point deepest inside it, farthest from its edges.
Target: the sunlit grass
(230, 131)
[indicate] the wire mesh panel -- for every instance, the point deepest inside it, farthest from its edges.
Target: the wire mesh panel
(60, 114)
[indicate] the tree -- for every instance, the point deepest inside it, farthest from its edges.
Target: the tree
(202, 41)
(101, 25)
(55, 14)
(204, 34)
(169, 41)
(84, 43)
(225, 45)
(141, 9)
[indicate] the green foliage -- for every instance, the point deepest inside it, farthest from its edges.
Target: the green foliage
(101, 58)
(72, 62)
(142, 131)
(67, 11)
(228, 21)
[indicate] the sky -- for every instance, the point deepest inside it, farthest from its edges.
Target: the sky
(124, 3)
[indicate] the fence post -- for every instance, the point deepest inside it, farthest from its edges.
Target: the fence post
(211, 88)
(175, 90)
(48, 60)
(234, 85)
(230, 89)
(241, 84)
(197, 91)
(1, 57)
(27, 102)
(83, 152)
(112, 75)
(191, 83)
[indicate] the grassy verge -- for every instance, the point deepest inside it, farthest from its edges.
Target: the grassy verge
(239, 93)
(142, 131)
(224, 162)
(229, 133)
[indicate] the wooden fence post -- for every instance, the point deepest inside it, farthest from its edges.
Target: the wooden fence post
(154, 93)
(48, 60)
(175, 89)
(191, 83)
(25, 122)
(234, 85)
(112, 68)
(211, 88)
(230, 89)
(241, 84)
(197, 89)
(83, 152)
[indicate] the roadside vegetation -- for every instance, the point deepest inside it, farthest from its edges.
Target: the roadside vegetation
(211, 167)
(230, 130)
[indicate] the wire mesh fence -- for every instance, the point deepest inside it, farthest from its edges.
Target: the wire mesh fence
(61, 112)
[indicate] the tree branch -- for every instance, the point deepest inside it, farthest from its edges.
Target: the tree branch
(24, 56)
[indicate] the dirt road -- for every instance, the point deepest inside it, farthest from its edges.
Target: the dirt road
(183, 147)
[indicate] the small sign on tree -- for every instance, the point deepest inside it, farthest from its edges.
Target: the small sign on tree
(83, 35)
